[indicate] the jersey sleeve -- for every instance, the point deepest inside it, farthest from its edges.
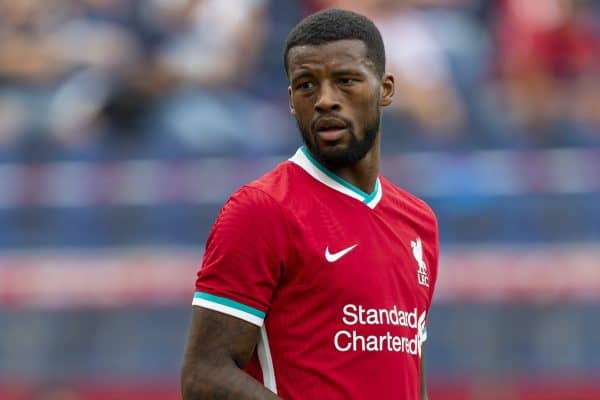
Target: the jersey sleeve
(244, 257)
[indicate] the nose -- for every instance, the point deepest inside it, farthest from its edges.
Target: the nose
(328, 99)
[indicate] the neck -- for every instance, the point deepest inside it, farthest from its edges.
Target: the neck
(364, 173)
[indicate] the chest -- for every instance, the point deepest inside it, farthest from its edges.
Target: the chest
(355, 255)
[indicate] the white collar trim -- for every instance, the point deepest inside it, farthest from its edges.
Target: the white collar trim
(305, 161)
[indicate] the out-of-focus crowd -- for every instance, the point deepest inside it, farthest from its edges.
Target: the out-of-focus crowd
(92, 79)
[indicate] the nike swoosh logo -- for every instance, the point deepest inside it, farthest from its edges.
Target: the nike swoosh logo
(333, 257)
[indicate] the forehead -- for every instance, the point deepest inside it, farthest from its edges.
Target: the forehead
(340, 53)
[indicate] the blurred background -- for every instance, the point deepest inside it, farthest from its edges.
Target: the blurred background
(125, 124)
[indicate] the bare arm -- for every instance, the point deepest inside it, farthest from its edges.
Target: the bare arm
(218, 347)
(422, 377)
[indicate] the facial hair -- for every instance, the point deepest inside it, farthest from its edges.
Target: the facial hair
(356, 150)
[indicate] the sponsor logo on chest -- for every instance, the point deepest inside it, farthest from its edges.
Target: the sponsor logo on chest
(356, 320)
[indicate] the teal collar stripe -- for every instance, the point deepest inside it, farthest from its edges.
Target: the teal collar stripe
(319, 172)
(335, 177)
(229, 303)
(371, 196)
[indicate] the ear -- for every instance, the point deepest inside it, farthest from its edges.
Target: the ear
(292, 111)
(387, 90)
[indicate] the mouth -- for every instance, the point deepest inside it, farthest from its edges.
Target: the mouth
(330, 129)
(331, 134)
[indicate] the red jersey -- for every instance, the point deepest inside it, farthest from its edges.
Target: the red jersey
(339, 281)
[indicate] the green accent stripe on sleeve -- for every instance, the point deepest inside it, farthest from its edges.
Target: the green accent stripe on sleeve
(229, 303)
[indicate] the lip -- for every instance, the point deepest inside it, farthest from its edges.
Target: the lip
(329, 123)
(331, 135)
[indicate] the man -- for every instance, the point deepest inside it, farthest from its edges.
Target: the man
(317, 277)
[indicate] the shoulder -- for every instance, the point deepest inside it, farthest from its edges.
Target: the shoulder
(279, 182)
(265, 196)
(283, 188)
(251, 216)
(407, 201)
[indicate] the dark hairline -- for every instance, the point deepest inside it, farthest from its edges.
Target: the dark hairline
(331, 25)
(372, 65)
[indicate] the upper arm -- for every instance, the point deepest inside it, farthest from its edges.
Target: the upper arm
(218, 347)
(216, 338)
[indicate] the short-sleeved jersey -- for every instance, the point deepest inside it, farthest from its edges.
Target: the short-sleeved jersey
(339, 281)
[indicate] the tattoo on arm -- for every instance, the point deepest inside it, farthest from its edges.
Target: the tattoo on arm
(218, 347)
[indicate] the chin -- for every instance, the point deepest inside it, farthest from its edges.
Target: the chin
(336, 157)
(333, 148)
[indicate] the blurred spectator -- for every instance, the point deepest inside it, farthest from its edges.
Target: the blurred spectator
(58, 62)
(423, 77)
(211, 43)
(544, 51)
(28, 63)
(210, 55)
(25, 53)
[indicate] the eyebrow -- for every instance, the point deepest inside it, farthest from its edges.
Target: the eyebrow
(348, 72)
(301, 75)
(341, 72)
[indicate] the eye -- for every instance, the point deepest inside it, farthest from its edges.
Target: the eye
(347, 81)
(305, 85)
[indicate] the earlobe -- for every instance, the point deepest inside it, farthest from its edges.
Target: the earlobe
(387, 90)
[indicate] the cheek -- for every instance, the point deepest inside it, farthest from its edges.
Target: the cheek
(365, 109)
(303, 111)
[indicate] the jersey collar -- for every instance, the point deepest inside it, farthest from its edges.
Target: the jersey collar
(307, 162)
